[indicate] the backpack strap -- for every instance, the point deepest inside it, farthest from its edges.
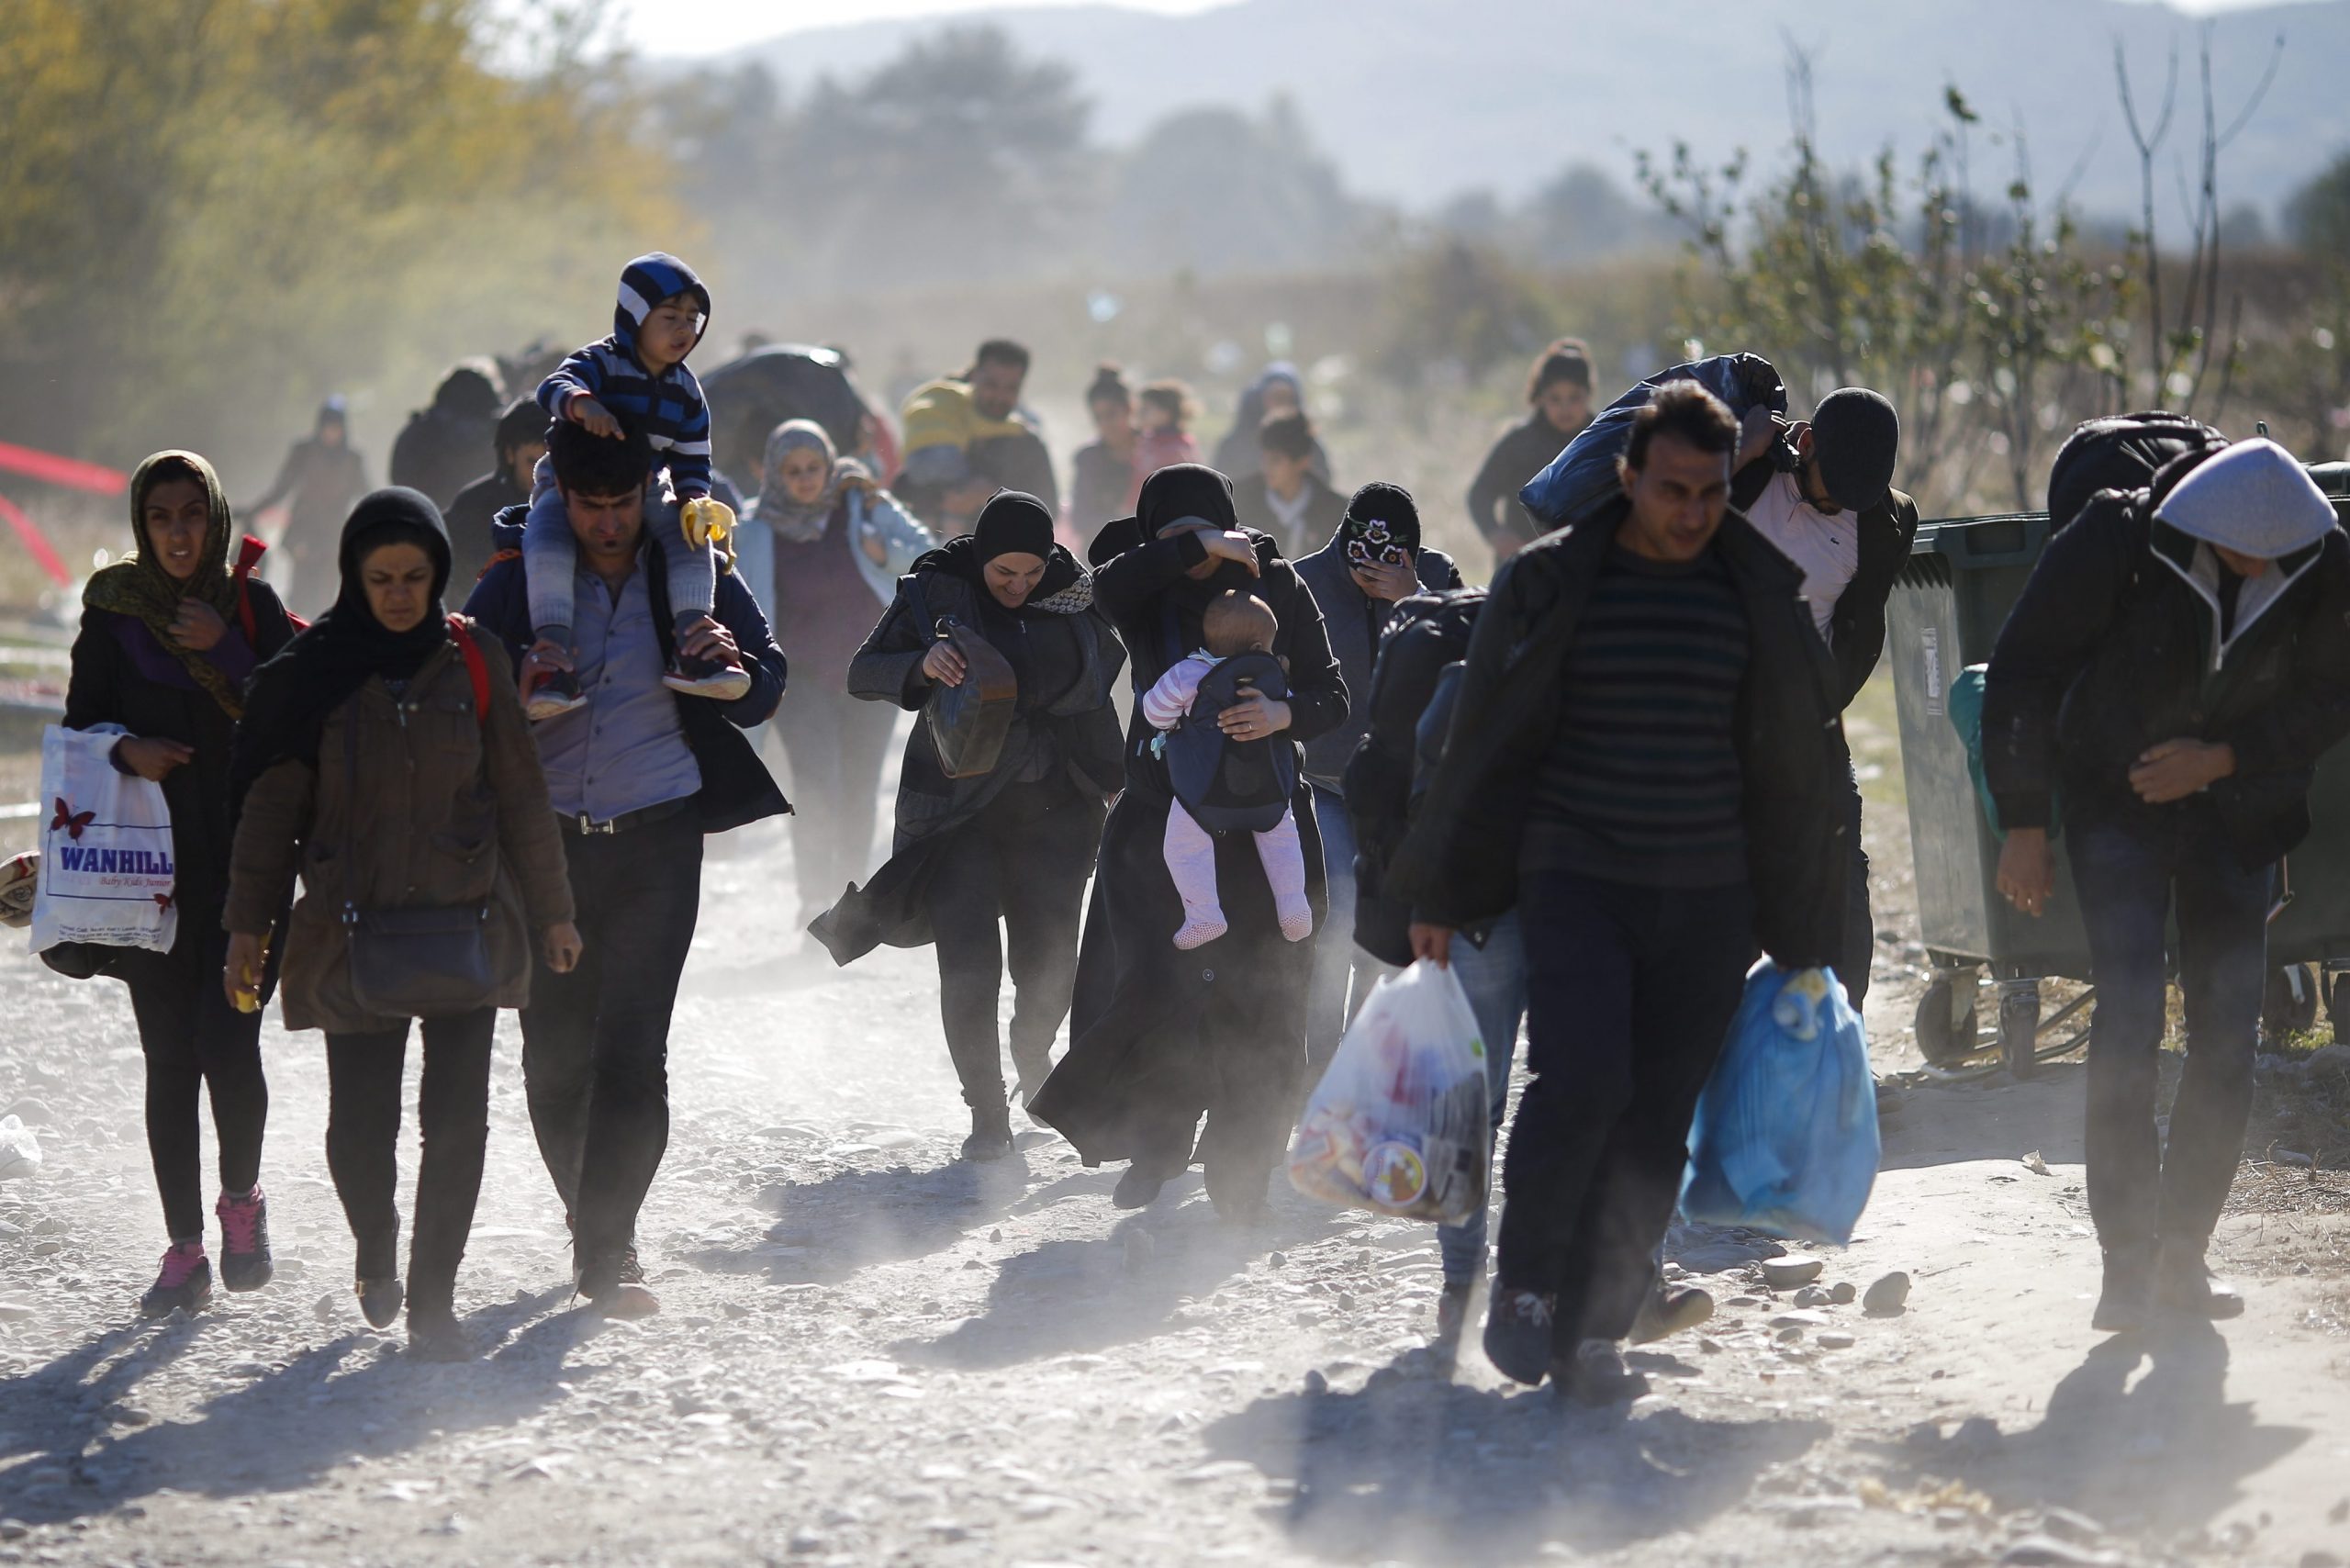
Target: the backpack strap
(249, 555)
(461, 633)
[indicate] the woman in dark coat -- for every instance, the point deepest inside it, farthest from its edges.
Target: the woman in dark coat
(385, 760)
(1558, 394)
(1016, 842)
(164, 653)
(1159, 1036)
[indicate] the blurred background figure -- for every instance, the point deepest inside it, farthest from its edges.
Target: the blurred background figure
(1276, 390)
(439, 450)
(520, 441)
(1164, 428)
(1284, 496)
(1558, 392)
(1104, 480)
(321, 479)
(967, 437)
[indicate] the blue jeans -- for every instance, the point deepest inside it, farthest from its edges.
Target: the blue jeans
(1494, 978)
(1342, 973)
(2139, 1191)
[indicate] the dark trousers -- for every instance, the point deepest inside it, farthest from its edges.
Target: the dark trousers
(596, 1041)
(195, 1043)
(1021, 861)
(2128, 878)
(836, 746)
(362, 1145)
(1630, 991)
(1860, 924)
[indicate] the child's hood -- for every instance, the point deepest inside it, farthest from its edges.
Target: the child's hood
(646, 282)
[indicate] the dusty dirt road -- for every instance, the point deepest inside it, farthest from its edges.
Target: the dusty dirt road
(872, 1354)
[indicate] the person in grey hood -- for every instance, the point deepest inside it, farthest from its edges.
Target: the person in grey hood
(2177, 664)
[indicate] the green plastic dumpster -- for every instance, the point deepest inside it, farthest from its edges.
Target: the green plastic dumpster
(1948, 603)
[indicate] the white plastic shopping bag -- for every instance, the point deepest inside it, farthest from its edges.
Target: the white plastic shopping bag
(1399, 1122)
(106, 872)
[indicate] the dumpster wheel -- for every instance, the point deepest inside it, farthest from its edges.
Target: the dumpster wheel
(2015, 1047)
(1942, 1041)
(2289, 1003)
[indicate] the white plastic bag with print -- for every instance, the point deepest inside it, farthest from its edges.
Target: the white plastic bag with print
(108, 876)
(1399, 1123)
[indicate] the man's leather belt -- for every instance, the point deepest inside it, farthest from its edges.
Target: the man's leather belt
(580, 823)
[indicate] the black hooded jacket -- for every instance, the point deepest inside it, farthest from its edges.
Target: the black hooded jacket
(2113, 648)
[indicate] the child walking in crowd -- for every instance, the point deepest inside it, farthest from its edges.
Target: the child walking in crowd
(639, 375)
(1164, 423)
(1235, 625)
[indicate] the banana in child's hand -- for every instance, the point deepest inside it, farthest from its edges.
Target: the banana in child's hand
(706, 521)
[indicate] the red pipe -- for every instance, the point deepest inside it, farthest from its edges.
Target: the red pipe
(36, 543)
(70, 472)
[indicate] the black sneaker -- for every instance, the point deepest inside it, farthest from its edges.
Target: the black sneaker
(631, 1270)
(555, 694)
(1669, 1311)
(1595, 1374)
(183, 1283)
(1137, 1187)
(2186, 1286)
(380, 1299)
(2126, 1298)
(698, 677)
(1517, 1333)
(244, 1241)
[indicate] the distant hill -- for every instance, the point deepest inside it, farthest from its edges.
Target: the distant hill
(1419, 100)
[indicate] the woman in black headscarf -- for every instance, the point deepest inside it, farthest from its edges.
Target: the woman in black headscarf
(169, 635)
(1013, 843)
(385, 756)
(1158, 1036)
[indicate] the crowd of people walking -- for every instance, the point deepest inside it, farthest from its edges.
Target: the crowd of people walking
(1597, 791)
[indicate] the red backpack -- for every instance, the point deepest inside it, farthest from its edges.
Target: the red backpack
(249, 555)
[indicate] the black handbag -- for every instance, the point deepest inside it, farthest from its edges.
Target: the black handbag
(968, 722)
(410, 963)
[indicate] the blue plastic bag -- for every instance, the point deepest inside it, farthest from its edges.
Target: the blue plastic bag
(1785, 1137)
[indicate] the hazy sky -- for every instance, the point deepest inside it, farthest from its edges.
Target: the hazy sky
(708, 26)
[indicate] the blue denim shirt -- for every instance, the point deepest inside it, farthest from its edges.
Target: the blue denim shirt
(626, 750)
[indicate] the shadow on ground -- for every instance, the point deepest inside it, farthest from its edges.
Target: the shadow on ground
(1068, 1296)
(2165, 1452)
(1416, 1468)
(1989, 1118)
(289, 1426)
(854, 1220)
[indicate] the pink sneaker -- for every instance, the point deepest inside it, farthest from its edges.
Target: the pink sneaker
(184, 1284)
(244, 1240)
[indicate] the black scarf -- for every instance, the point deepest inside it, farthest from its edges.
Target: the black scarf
(287, 703)
(1194, 490)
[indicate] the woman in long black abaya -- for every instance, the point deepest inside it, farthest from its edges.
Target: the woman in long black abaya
(1159, 1036)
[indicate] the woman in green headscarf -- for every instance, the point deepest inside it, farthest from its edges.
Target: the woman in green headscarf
(169, 635)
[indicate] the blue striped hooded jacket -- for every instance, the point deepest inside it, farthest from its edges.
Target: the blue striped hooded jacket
(669, 409)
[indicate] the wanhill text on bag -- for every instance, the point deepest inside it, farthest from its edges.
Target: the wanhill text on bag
(112, 862)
